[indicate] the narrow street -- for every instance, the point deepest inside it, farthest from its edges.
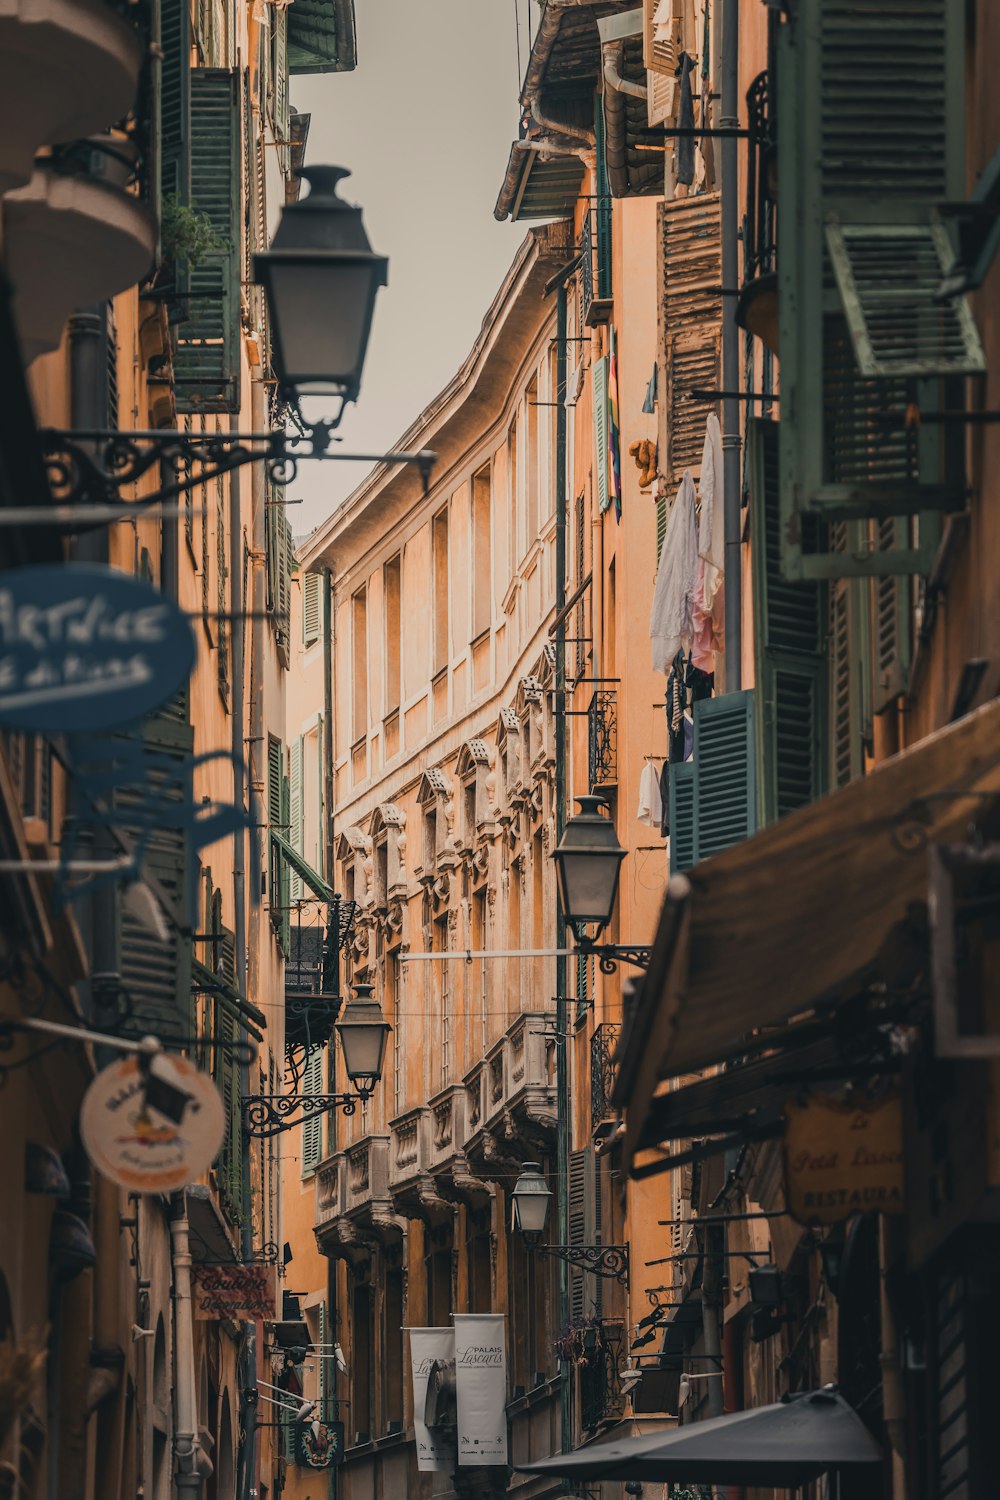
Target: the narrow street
(499, 749)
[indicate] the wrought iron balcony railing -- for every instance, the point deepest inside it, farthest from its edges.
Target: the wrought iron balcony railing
(602, 1070)
(602, 739)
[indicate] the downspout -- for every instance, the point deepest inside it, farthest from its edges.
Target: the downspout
(187, 1447)
(329, 747)
(711, 1314)
(562, 1078)
(613, 59)
(579, 136)
(733, 583)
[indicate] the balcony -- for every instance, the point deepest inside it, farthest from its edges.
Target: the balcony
(67, 68)
(757, 307)
(602, 740)
(353, 1207)
(603, 1045)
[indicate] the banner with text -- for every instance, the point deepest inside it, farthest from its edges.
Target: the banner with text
(481, 1388)
(432, 1351)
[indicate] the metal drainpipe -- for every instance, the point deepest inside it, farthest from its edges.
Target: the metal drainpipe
(562, 1077)
(731, 351)
(711, 1313)
(187, 1447)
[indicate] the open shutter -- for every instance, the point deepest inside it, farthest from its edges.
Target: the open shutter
(690, 327)
(157, 973)
(892, 619)
(600, 379)
(206, 360)
(725, 773)
(868, 150)
(174, 127)
(680, 798)
(295, 819)
(311, 611)
(230, 1162)
(279, 20)
(789, 648)
(602, 218)
(320, 798)
(312, 1128)
(577, 1189)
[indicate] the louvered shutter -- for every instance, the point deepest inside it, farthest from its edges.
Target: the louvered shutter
(789, 648)
(320, 798)
(892, 619)
(230, 1162)
(600, 380)
(174, 128)
(279, 20)
(725, 773)
(602, 218)
(690, 327)
(873, 98)
(312, 1127)
(157, 974)
(323, 1385)
(577, 1190)
(206, 359)
(311, 627)
(295, 819)
(680, 797)
(850, 674)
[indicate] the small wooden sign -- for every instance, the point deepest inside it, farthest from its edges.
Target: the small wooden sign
(843, 1159)
(241, 1293)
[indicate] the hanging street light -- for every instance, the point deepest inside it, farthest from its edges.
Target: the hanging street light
(588, 863)
(363, 1032)
(320, 277)
(530, 1207)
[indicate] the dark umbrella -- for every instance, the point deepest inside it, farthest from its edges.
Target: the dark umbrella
(783, 1445)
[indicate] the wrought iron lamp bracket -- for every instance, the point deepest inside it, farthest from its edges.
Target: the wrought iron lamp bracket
(609, 1261)
(610, 955)
(265, 1115)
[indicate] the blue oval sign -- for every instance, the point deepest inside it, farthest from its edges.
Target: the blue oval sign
(84, 647)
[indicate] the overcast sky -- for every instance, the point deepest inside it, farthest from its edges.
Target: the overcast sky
(425, 125)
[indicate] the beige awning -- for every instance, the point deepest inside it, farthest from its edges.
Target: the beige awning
(799, 911)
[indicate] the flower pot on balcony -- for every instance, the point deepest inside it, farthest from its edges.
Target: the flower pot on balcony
(67, 67)
(70, 242)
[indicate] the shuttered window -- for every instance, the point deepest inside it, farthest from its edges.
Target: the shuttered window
(681, 803)
(581, 1229)
(602, 218)
(280, 556)
(295, 809)
(311, 608)
(690, 328)
(312, 1128)
(876, 145)
(789, 648)
(713, 797)
(207, 355)
(600, 380)
(174, 185)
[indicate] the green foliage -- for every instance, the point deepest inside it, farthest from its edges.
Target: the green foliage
(186, 235)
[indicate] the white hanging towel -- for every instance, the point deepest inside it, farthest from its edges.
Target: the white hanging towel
(712, 526)
(671, 621)
(650, 804)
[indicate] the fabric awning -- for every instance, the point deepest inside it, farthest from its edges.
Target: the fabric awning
(799, 912)
(785, 1444)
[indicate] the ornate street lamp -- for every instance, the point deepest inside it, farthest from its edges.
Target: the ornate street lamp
(588, 863)
(320, 278)
(530, 1205)
(363, 1032)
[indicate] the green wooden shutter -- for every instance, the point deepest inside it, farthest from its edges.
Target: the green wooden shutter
(320, 799)
(157, 974)
(230, 1162)
(892, 620)
(789, 648)
(577, 1190)
(174, 128)
(603, 215)
(284, 873)
(599, 376)
(295, 818)
(311, 608)
(872, 98)
(207, 356)
(312, 1127)
(279, 20)
(680, 797)
(725, 773)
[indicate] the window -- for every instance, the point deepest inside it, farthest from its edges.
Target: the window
(359, 645)
(362, 1331)
(312, 1128)
(439, 547)
(392, 578)
(531, 464)
(428, 854)
(512, 492)
(394, 1009)
(444, 993)
(482, 571)
(469, 819)
(312, 608)
(393, 1366)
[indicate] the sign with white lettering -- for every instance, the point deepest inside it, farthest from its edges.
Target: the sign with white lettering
(245, 1294)
(138, 1144)
(481, 1389)
(84, 647)
(431, 1349)
(843, 1159)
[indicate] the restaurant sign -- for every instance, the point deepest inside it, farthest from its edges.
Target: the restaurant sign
(152, 1129)
(843, 1159)
(85, 647)
(244, 1294)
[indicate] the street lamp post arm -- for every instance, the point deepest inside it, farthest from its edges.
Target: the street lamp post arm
(610, 955)
(609, 1261)
(265, 1115)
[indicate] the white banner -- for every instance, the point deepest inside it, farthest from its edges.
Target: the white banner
(481, 1388)
(426, 1346)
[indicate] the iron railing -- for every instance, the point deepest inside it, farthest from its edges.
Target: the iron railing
(585, 245)
(602, 739)
(600, 1379)
(602, 1070)
(759, 241)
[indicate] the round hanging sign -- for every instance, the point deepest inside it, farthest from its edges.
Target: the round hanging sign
(152, 1129)
(85, 647)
